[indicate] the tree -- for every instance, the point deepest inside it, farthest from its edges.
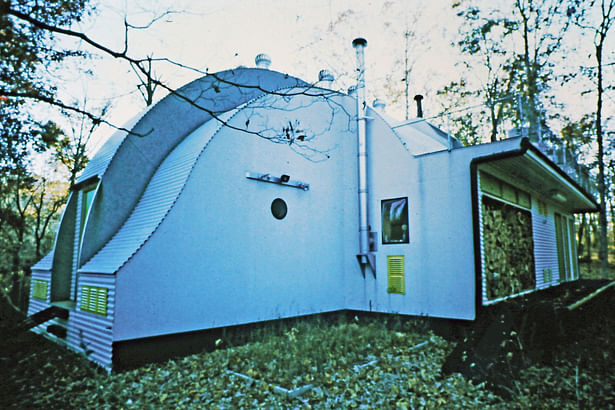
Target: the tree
(599, 23)
(26, 53)
(148, 83)
(70, 150)
(484, 38)
(513, 81)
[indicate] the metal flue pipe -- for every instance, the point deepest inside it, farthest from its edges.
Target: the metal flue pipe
(359, 45)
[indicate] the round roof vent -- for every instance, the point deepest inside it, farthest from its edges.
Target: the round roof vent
(326, 75)
(262, 61)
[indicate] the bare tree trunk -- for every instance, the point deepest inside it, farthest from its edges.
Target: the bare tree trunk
(604, 257)
(580, 232)
(591, 232)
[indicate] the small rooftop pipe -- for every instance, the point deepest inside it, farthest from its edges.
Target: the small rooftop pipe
(419, 105)
(364, 256)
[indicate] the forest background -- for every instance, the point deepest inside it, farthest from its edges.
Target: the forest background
(73, 71)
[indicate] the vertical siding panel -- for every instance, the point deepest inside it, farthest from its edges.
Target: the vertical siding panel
(482, 242)
(92, 332)
(73, 274)
(545, 248)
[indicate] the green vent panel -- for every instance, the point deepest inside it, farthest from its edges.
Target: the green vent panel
(395, 269)
(547, 275)
(94, 300)
(39, 289)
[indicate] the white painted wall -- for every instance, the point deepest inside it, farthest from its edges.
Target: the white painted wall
(220, 258)
(439, 264)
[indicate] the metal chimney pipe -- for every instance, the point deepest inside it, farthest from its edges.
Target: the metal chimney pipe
(359, 45)
(419, 106)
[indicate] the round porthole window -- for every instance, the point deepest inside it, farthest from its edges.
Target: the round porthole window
(279, 208)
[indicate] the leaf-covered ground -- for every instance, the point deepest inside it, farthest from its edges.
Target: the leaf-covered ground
(334, 365)
(335, 362)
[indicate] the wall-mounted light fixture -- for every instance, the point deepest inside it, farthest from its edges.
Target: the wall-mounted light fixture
(558, 196)
(283, 179)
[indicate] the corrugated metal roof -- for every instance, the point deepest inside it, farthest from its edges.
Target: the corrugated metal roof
(45, 263)
(99, 162)
(217, 92)
(158, 198)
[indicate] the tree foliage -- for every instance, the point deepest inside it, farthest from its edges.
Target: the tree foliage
(510, 50)
(27, 55)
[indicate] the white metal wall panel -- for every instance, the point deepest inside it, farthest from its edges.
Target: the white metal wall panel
(89, 331)
(158, 198)
(37, 305)
(545, 249)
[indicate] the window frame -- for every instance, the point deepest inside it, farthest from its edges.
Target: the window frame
(384, 220)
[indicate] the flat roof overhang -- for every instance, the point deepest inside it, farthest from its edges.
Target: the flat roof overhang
(533, 169)
(524, 162)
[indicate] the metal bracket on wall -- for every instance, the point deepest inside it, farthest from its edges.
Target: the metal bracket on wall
(367, 260)
(281, 180)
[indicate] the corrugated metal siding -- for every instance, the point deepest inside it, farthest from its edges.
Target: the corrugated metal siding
(88, 331)
(73, 274)
(482, 242)
(545, 249)
(158, 198)
(37, 305)
(45, 263)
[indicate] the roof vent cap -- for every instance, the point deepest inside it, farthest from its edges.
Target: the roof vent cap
(326, 76)
(379, 105)
(262, 61)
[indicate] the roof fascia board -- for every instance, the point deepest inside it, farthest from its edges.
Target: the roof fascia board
(552, 167)
(570, 184)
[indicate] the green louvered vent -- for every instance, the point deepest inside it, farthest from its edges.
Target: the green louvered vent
(94, 300)
(39, 289)
(395, 267)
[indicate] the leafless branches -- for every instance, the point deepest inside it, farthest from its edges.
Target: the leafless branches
(148, 83)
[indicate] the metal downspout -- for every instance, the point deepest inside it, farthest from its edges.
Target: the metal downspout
(364, 257)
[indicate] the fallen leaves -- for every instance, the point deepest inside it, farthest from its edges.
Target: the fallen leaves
(366, 363)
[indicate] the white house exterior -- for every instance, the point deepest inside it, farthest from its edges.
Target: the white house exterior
(192, 222)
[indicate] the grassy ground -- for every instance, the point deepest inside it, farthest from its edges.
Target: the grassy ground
(338, 362)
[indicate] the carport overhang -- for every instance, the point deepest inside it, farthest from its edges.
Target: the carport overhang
(527, 164)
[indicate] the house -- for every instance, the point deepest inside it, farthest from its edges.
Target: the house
(251, 195)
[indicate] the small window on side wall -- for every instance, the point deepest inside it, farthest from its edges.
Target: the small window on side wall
(395, 226)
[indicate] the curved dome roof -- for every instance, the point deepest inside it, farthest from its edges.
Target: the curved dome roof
(212, 92)
(127, 161)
